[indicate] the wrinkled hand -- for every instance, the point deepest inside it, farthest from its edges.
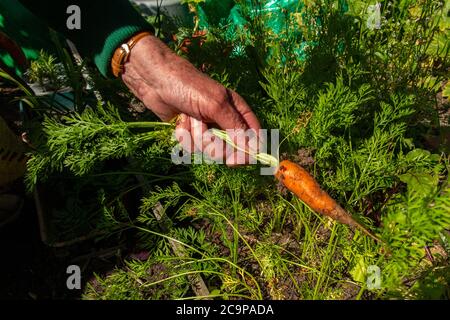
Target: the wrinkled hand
(170, 86)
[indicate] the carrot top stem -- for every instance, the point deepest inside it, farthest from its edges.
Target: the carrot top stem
(263, 158)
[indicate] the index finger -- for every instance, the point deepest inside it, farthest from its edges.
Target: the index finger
(241, 106)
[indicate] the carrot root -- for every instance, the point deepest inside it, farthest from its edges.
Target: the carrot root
(306, 188)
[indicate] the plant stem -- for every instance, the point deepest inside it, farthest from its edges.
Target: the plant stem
(147, 124)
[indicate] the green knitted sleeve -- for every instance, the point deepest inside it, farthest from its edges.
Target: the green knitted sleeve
(105, 25)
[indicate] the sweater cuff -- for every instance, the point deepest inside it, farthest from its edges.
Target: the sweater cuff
(112, 42)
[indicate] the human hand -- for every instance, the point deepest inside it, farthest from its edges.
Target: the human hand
(170, 85)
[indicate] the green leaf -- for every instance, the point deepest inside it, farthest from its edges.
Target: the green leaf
(446, 91)
(215, 292)
(417, 154)
(420, 182)
(359, 270)
(383, 57)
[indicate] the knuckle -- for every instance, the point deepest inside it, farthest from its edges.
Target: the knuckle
(141, 89)
(220, 100)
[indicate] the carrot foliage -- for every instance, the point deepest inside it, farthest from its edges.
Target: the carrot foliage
(359, 106)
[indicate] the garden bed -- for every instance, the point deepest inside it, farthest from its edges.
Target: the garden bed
(364, 109)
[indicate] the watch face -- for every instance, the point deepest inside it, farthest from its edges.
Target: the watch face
(126, 48)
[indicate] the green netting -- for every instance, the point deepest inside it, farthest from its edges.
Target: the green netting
(222, 12)
(278, 16)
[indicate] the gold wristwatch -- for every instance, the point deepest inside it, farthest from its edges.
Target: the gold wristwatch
(120, 56)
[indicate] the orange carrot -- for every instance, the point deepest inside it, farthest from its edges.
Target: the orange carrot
(303, 185)
(306, 188)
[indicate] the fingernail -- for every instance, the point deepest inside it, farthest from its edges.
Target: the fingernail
(180, 119)
(197, 125)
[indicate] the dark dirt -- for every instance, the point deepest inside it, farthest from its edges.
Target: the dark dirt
(443, 107)
(30, 269)
(439, 139)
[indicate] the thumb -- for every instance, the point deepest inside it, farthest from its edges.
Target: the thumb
(225, 114)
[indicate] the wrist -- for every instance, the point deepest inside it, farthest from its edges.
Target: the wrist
(122, 54)
(150, 61)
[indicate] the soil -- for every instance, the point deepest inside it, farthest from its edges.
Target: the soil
(30, 269)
